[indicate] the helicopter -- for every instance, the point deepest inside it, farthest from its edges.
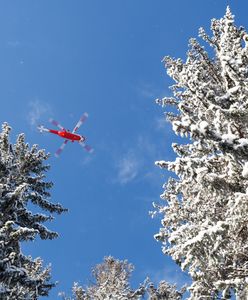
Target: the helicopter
(67, 135)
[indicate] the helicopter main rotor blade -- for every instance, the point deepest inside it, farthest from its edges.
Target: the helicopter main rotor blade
(80, 122)
(54, 122)
(61, 148)
(86, 147)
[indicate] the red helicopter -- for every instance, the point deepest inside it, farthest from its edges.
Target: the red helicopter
(67, 135)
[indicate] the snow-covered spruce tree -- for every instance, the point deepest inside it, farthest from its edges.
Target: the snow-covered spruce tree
(164, 291)
(22, 182)
(111, 281)
(205, 223)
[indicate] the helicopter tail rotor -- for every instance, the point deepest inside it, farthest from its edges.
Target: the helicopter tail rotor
(41, 129)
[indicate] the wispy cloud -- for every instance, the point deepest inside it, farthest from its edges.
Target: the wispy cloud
(161, 123)
(37, 110)
(138, 162)
(171, 274)
(87, 160)
(13, 43)
(128, 167)
(149, 91)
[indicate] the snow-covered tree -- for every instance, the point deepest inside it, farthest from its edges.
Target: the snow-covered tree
(111, 281)
(205, 215)
(22, 182)
(164, 291)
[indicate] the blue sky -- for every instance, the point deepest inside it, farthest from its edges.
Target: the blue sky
(61, 58)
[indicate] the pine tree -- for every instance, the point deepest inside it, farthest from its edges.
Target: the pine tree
(111, 281)
(22, 174)
(205, 215)
(164, 291)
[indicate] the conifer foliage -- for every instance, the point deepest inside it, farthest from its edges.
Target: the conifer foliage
(164, 291)
(22, 174)
(111, 281)
(205, 215)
